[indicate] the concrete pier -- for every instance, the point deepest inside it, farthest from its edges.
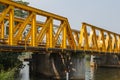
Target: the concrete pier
(107, 60)
(57, 65)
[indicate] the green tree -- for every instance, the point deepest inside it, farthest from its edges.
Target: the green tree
(9, 60)
(18, 12)
(2, 7)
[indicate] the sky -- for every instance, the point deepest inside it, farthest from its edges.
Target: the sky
(101, 13)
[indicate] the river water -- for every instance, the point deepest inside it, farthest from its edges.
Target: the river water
(101, 73)
(90, 73)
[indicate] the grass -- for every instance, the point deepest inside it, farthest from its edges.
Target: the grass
(7, 75)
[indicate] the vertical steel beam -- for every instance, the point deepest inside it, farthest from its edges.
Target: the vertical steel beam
(64, 38)
(107, 42)
(34, 30)
(51, 34)
(110, 42)
(115, 43)
(11, 24)
(81, 37)
(103, 40)
(2, 30)
(90, 39)
(86, 37)
(95, 39)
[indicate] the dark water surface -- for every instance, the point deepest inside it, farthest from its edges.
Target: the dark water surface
(91, 73)
(102, 73)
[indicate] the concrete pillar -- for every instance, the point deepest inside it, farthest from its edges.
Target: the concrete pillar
(56, 65)
(47, 66)
(109, 59)
(40, 65)
(78, 66)
(106, 60)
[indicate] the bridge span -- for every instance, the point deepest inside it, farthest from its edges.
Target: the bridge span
(47, 34)
(37, 31)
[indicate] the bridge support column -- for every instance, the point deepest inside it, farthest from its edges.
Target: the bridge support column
(40, 65)
(78, 66)
(107, 60)
(56, 65)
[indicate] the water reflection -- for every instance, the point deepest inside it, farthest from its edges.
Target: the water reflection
(107, 74)
(24, 72)
(91, 73)
(102, 73)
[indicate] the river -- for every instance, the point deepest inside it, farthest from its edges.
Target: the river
(101, 73)
(90, 73)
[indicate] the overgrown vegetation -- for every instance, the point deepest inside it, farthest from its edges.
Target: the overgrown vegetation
(9, 60)
(8, 75)
(9, 63)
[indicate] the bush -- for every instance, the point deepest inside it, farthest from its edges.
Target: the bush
(9, 60)
(7, 75)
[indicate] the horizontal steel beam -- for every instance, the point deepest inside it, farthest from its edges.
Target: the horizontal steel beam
(31, 9)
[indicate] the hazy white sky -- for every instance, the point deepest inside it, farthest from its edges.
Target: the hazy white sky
(102, 13)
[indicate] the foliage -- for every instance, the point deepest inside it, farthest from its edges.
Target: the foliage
(2, 7)
(9, 60)
(21, 13)
(21, 2)
(18, 12)
(9, 75)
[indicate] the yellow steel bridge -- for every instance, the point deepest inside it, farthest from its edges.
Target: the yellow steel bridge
(41, 30)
